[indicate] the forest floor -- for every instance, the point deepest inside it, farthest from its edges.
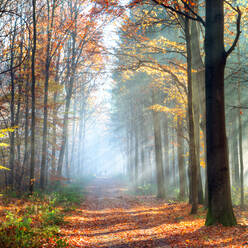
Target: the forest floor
(111, 218)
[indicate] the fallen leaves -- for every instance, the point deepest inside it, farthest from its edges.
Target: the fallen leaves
(111, 218)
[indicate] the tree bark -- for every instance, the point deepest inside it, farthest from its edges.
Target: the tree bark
(191, 124)
(32, 160)
(219, 193)
(198, 99)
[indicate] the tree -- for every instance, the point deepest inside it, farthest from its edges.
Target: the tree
(219, 193)
(50, 23)
(32, 160)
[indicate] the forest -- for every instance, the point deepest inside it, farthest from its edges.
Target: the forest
(123, 123)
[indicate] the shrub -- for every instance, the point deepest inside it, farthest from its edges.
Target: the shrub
(52, 217)
(19, 231)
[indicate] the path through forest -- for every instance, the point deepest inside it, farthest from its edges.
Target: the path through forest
(112, 218)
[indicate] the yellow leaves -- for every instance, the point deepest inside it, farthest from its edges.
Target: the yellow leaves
(177, 112)
(126, 75)
(3, 168)
(9, 129)
(4, 144)
(3, 134)
(160, 108)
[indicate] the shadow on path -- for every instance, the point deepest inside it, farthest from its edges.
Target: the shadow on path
(110, 218)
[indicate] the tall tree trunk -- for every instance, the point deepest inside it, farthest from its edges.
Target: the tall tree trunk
(219, 193)
(64, 132)
(32, 160)
(181, 167)
(81, 130)
(67, 165)
(71, 69)
(17, 118)
(191, 124)
(173, 160)
(158, 148)
(136, 156)
(131, 162)
(242, 204)
(198, 98)
(142, 151)
(234, 149)
(74, 131)
(47, 74)
(12, 113)
(26, 129)
(54, 135)
(166, 152)
(54, 126)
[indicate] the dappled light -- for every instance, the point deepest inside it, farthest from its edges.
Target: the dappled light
(116, 219)
(123, 123)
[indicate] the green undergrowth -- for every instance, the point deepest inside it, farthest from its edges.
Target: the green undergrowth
(150, 189)
(236, 195)
(146, 189)
(33, 221)
(32, 227)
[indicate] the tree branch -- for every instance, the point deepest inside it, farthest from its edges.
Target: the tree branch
(196, 18)
(237, 28)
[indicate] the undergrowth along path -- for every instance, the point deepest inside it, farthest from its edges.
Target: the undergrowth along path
(111, 218)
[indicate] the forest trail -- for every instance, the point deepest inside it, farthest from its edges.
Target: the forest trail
(111, 218)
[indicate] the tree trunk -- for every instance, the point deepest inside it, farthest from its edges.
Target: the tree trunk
(64, 134)
(70, 76)
(181, 167)
(47, 74)
(32, 160)
(219, 193)
(234, 149)
(54, 126)
(166, 152)
(12, 113)
(74, 131)
(242, 204)
(136, 157)
(191, 124)
(158, 149)
(198, 99)
(81, 130)
(142, 152)
(173, 160)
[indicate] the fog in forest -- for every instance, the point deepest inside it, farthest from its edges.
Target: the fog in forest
(123, 105)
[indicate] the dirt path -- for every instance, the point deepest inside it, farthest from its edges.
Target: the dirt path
(110, 218)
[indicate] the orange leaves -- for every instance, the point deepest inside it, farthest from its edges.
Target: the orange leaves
(109, 218)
